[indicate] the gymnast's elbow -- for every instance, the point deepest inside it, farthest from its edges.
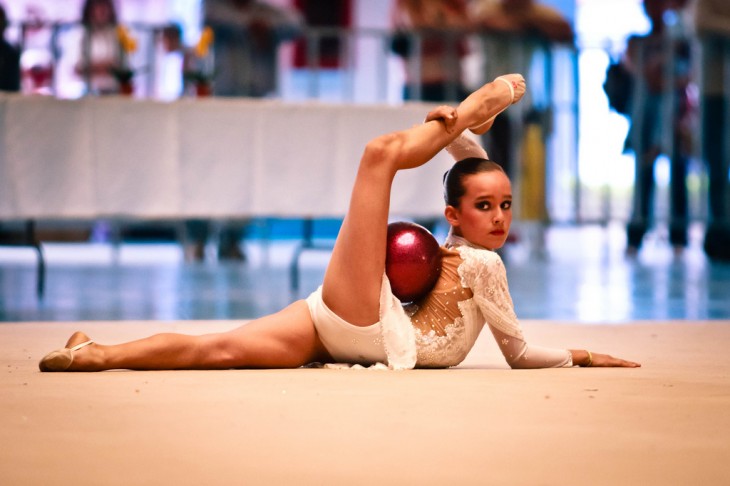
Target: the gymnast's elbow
(519, 361)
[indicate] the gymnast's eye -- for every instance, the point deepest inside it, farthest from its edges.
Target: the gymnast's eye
(506, 205)
(483, 205)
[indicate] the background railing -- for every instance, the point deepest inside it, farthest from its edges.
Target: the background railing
(581, 168)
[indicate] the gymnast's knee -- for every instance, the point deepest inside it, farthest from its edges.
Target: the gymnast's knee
(219, 351)
(383, 152)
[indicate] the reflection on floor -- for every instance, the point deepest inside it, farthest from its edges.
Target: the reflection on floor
(582, 275)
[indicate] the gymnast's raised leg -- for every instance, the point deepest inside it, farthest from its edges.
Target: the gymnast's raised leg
(353, 279)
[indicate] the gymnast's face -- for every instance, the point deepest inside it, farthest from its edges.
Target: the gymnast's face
(484, 214)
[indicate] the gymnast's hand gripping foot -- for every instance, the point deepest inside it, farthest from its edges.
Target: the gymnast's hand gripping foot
(354, 316)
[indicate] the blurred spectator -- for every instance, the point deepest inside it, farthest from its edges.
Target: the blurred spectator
(516, 30)
(9, 58)
(100, 49)
(516, 37)
(660, 63)
(170, 64)
(247, 35)
(183, 70)
(246, 39)
(712, 25)
(36, 60)
(323, 47)
(525, 17)
(439, 28)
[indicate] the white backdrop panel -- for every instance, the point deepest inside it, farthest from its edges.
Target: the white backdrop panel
(211, 157)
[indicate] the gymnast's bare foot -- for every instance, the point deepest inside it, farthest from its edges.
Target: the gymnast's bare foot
(492, 99)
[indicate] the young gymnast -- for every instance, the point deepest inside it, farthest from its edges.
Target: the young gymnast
(354, 316)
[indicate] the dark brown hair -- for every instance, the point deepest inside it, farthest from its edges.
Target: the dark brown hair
(454, 178)
(89, 4)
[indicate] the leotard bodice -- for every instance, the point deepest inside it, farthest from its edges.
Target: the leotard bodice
(472, 291)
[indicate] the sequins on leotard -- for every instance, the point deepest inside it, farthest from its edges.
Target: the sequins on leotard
(471, 290)
(440, 331)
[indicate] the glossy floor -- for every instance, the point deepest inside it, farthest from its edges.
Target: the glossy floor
(582, 275)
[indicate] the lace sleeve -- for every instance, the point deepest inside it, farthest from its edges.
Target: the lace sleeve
(520, 355)
(484, 272)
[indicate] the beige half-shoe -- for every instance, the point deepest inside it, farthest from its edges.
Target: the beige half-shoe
(61, 359)
(483, 127)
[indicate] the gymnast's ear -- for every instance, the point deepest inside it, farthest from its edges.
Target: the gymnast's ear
(452, 215)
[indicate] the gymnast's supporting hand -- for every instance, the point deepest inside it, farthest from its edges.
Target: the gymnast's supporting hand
(587, 359)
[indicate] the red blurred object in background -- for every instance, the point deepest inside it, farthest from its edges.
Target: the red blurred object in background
(412, 262)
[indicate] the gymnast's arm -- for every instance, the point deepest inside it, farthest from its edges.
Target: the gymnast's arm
(515, 350)
(488, 281)
(520, 355)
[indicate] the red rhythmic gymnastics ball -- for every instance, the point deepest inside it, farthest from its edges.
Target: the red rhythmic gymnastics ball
(412, 262)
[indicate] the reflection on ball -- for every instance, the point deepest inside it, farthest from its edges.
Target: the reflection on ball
(413, 260)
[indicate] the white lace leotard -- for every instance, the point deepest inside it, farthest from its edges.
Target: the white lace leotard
(439, 330)
(472, 291)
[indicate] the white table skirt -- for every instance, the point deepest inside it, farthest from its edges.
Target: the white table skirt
(218, 158)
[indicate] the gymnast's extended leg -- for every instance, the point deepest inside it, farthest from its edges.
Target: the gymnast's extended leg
(286, 339)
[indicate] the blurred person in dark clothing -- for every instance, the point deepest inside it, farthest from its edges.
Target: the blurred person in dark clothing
(516, 30)
(9, 58)
(247, 35)
(439, 28)
(712, 25)
(660, 62)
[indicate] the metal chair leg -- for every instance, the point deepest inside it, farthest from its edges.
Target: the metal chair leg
(31, 239)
